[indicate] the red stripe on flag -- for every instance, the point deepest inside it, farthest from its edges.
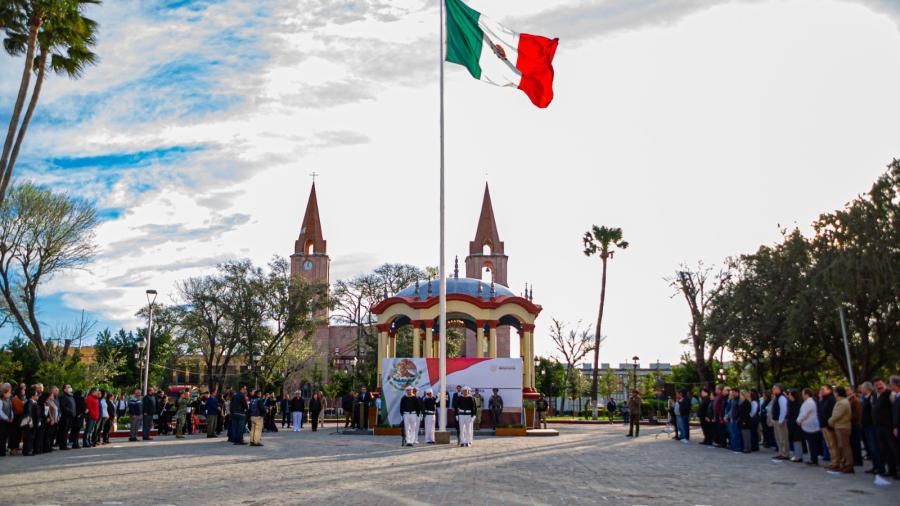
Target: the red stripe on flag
(453, 365)
(535, 62)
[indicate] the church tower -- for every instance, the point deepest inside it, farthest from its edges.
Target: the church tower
(487, 260)
(310, 259)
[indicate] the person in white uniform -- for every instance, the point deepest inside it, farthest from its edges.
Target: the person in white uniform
(428, 409)
(409, 411)
(465, 413)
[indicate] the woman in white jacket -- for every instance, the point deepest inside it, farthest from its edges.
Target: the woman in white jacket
(808, 420)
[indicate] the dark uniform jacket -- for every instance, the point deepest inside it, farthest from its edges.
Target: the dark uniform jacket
(410, 404)
(428, 405)
(465, 405)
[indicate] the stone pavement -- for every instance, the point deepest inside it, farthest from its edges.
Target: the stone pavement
(584, 465)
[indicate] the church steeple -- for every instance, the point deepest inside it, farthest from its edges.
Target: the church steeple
(310, 259)
(486, 234)
(486, 253)
(311, 241)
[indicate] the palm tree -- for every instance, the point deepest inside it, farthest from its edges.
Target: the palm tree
(600, 240)
(58, 31)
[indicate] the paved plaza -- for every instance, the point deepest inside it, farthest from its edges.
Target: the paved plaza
(584, 465)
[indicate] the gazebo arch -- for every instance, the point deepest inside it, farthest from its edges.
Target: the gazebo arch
(478, 305)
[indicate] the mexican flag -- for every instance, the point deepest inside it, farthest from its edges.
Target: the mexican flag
(497, 55)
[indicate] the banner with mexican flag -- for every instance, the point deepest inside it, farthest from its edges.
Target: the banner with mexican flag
(497, 55)
(485, 374)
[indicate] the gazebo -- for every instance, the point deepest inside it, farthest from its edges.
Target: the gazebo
(472, 304)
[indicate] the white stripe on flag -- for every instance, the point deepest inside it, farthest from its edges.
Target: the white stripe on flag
(494, 69)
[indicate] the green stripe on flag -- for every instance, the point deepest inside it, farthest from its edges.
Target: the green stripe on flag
(464, 38)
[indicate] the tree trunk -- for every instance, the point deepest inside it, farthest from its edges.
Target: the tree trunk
(595, 377)
(32, 104)
(20, 98)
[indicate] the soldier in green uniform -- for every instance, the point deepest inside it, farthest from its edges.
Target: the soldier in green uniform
(479, 405)
(541, 408)
(634, 406)
(181, 414)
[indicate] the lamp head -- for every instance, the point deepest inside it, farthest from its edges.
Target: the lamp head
(141, 343)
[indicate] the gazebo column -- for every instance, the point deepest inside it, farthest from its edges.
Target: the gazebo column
(523, 352)
(417, 339)
(382, 344)
(429, 337)
(492, 338)
(528, 356)
(392, 344)
(479, 338)
(436, 345)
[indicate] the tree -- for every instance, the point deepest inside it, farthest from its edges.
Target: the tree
(241, 309)
(550, 377)
(857, 268)
(753, 312)
(700, 287)
(354, 299)
(573, 345)
(601, 241)
(42, 233)
(168, 343)
(62, 37)
(608, 384)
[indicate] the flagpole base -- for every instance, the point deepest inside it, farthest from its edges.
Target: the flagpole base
(442, 437)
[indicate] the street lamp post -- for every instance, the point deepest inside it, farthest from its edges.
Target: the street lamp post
(151, 298)
(634, 361)
(257, 356)
(139, 354)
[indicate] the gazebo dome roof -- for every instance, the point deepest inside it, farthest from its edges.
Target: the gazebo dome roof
(465, 286)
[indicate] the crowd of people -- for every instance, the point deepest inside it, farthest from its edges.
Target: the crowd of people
(841, 425)
(35, 420)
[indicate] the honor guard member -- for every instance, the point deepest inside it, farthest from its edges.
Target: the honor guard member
(465, 412)
(495, 405)
(428, 408)
(419, 420)
(479, 406)
(409, 411)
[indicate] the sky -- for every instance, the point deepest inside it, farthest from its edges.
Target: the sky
(699, 127)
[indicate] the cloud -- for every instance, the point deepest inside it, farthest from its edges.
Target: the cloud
(581, 20)
(156, 234)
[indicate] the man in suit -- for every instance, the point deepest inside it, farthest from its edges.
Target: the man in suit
(148, 413)
(704, 414)
(364, 399)
(67, 417)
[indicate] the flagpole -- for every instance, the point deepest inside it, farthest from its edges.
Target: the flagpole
(442, 319)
